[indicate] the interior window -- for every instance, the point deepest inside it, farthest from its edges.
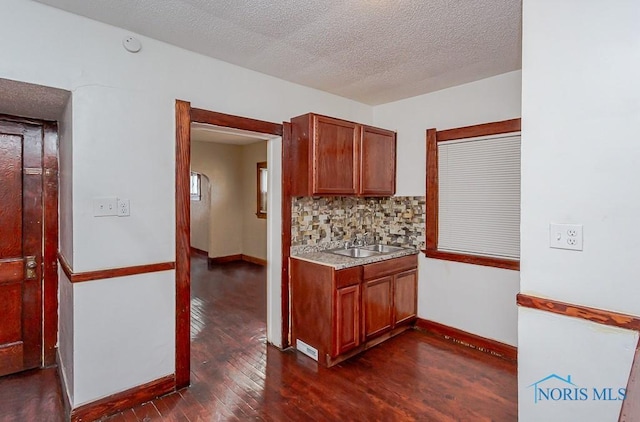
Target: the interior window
(196, 192)
(262, 190)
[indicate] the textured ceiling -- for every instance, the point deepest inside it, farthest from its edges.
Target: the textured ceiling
(372, 51)
(29, 100)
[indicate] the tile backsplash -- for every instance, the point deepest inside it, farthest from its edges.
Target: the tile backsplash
(391, 220)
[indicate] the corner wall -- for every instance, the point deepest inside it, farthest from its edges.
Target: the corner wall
(477, 299)
(580, 156)
(124, 146)
(254, 229)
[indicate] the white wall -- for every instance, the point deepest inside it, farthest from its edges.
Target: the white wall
(477, 299)
(124, 145)
(580, 156)
(222, 165)
(254, 229)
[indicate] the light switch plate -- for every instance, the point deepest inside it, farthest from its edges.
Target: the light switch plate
(565, 236)
(104, 207)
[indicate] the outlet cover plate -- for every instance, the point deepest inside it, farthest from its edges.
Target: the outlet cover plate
(565, 236)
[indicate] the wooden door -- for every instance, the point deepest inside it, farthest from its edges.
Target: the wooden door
(20, 246)
(347, 319)
(335, 156)
(405, 296)
(377, 162)
(377, 302)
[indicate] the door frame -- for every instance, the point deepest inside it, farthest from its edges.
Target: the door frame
(49, 283)
(185, 115)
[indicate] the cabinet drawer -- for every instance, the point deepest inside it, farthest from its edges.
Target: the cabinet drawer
(390, 266)
(348, 276)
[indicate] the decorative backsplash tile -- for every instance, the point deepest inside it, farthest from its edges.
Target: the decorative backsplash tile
(323, 221)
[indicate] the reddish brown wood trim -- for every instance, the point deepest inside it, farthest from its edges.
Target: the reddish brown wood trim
(287, 178)
(225, 259)
(183, 244)
(600, 316)
(485, 129)
(236, 122)
(185, 115)
(433, 137)
(50, 269)
(111, 272)
(432, 191)
(64, 264)
(473, 259)
(464, 338)
(200, 252)
(631, 405)
(124, 400)
(254, 260)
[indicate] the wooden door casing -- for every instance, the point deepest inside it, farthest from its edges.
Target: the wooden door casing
(21, 235)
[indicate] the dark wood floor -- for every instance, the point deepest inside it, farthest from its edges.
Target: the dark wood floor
(236, 376)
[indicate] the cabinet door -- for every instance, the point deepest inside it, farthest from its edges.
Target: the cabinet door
(377, 303)
(377, 162)
(347, 319)
(405, 296)
(335, 156)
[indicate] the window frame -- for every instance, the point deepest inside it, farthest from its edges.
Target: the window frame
(432, 200)
(260, 166)
(198, 195)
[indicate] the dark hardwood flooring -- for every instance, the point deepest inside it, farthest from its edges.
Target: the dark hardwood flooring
(237, 376)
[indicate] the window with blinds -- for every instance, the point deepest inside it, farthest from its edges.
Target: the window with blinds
(479, 196)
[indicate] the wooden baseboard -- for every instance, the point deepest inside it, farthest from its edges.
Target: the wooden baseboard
(239, 257)
(225, 259)
(66, 402)
(124, 400)
(200, 252)
(254, 260)
(474, 341)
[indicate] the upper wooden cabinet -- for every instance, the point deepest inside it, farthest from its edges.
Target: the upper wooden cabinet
(336, 157)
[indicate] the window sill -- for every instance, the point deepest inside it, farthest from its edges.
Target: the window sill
(473, 259)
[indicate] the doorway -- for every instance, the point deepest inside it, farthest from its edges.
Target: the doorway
(28, 243)
(185, 116)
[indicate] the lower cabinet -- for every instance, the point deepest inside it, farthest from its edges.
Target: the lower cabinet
(338, 313)
(377, 304)
(389, 295)
(347, 319)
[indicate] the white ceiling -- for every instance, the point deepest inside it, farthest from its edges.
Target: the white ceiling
(223, 135)
(372, 51)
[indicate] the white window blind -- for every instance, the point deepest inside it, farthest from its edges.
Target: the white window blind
(479, 196)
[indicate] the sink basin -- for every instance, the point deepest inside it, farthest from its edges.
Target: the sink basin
(383, 248)
(355, 252)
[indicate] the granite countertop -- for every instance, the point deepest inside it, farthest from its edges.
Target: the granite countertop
(340, 262)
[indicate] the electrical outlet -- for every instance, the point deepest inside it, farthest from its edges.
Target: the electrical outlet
(123, 208)
(565, 236)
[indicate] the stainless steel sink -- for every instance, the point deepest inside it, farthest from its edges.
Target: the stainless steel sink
(355, 252)
(383, 248)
